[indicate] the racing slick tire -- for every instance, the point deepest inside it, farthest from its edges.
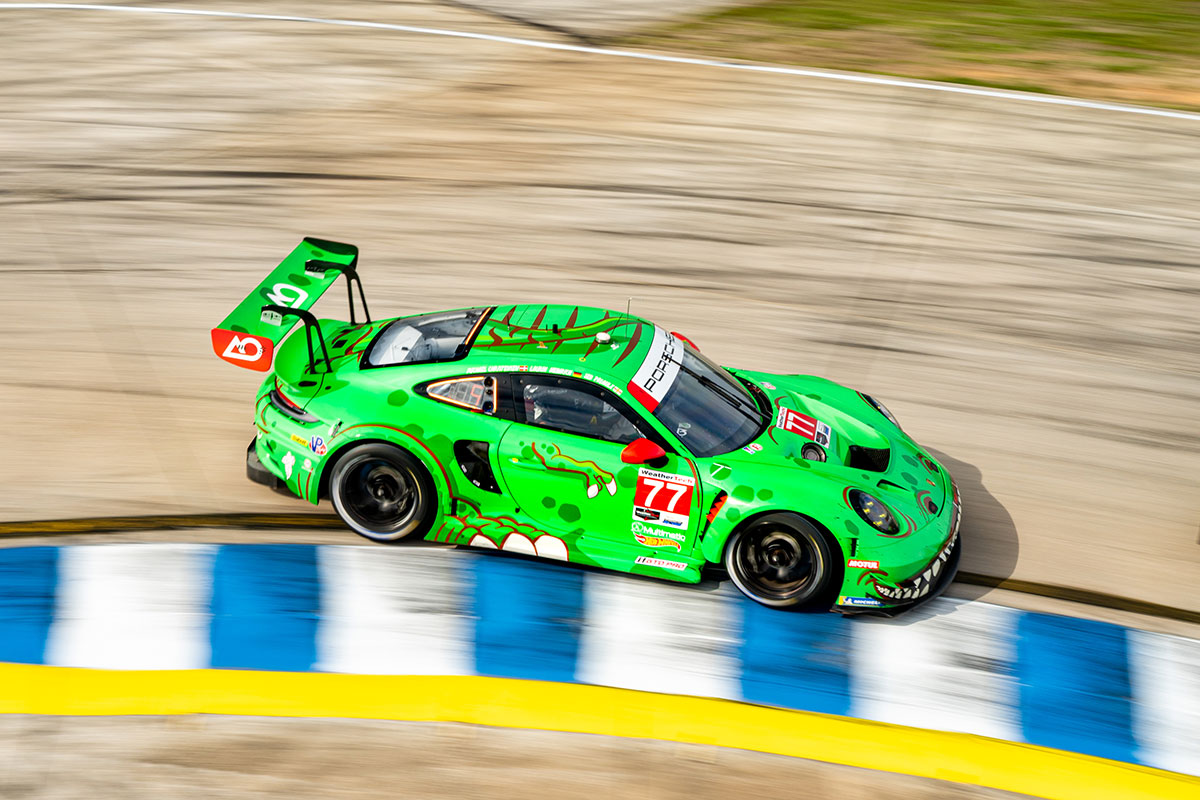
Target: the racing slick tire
(382, 492)
(780, 560)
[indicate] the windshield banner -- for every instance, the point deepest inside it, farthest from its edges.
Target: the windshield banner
(658, 372)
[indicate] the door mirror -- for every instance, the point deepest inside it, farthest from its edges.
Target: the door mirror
(642, 451)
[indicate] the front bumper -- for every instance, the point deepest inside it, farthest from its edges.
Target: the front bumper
(929, 582)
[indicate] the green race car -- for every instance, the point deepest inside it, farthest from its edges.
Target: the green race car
(587, 436)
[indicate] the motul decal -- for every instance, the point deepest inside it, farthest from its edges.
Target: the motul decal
(804, 425)
(243, 349)
(658, 372)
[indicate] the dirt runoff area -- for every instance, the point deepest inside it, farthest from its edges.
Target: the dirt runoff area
(203, 757)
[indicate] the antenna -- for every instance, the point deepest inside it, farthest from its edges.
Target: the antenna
(628, 303)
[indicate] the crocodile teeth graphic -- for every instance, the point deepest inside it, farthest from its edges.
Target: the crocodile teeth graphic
(545, 546)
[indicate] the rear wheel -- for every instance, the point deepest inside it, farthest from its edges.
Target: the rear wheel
(382, 492)
(780, 560)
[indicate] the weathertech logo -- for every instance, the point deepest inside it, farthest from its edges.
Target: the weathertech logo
(243, 349)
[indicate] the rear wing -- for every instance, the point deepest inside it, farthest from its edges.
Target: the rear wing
(249, 335)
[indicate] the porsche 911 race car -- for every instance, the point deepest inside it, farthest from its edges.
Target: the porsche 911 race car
(588, 436)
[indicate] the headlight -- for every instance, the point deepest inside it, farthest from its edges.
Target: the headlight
(873, 511)
(880, 407)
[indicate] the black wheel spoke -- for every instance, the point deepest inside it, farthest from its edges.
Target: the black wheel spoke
(379, 493)
(778, 562)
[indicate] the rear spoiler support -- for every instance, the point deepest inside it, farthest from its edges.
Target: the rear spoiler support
(310, 322)
(319, 268)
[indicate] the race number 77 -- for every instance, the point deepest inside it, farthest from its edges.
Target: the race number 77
(656, 486)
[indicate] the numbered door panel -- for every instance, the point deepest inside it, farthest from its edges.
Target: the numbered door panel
(562, 463)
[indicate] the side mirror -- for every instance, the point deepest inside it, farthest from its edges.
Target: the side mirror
(642, 451)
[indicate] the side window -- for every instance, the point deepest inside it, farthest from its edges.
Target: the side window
(475, 393)
(572, 406)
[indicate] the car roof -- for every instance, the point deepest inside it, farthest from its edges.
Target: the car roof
(519, 337)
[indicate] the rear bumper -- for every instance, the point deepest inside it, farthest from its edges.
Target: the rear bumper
(257, 472)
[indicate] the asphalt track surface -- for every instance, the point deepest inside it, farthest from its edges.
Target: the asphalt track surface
(1018, 282)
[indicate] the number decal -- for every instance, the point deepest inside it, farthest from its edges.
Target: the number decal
(663, 499)
(679, 489)
(655, 486)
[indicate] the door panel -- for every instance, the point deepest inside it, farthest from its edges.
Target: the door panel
(574, 484)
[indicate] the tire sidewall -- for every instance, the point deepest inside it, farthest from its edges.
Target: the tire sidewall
(427, 502)
(806, 532)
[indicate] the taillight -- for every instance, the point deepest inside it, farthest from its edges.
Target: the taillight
(287, 407)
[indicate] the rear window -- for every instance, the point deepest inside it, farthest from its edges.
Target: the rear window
(425, 337)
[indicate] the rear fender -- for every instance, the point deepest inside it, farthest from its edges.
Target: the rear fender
(362, 434)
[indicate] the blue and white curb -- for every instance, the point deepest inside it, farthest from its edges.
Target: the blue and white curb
(971, 667)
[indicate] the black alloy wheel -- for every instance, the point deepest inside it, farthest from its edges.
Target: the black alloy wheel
(382, 492)
(780, 560)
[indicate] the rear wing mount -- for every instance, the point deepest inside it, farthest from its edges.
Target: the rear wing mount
(274, 314)
(318, 268)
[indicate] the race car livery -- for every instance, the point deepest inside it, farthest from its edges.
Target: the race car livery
(589, 436)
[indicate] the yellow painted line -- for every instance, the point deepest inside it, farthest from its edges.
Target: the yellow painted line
(168, 522)
(501, 702)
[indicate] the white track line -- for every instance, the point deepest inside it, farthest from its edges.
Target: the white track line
(603, 51)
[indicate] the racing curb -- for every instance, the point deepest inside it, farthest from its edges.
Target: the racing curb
(99, 525)
(538, 705)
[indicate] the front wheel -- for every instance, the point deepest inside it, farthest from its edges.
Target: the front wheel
(780, 560)
(382, 492)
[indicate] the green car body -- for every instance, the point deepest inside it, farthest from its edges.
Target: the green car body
(525, 419)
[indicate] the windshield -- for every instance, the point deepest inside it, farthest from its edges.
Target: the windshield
(426, 337)
(708, 410)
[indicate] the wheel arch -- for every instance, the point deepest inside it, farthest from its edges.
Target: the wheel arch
(836, 553)
(713, 547)
(438, 476)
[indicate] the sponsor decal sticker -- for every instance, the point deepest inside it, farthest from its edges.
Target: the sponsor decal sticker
(638, 527)
(662, 563)
(858, 601)
(658, 371)
(752, 448)
(858, 563)
(284, 294)
(657, 541)
(317, 445)
(300, 440)
(307, 465)
(803, 425)
(243, 349)
(768, 386)
(663, 498)
(289, 461)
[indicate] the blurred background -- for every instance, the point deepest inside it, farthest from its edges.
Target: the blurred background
(1018, 281)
